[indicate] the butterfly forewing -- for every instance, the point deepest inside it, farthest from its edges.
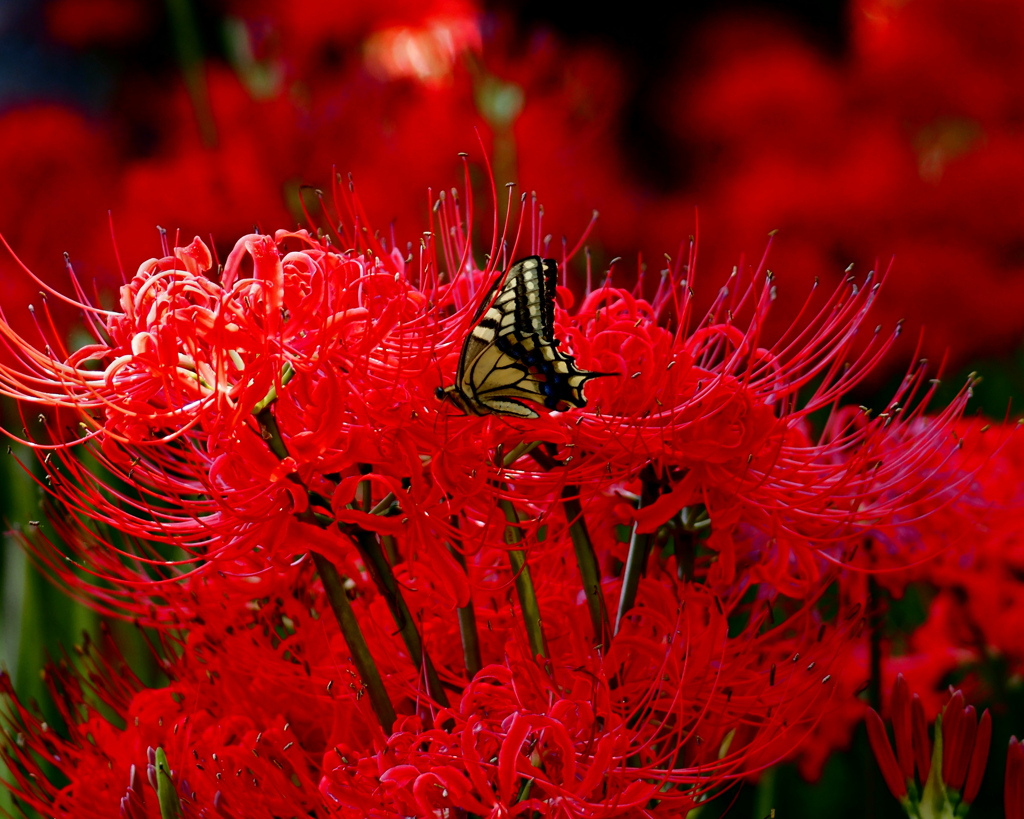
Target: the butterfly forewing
(512, 353)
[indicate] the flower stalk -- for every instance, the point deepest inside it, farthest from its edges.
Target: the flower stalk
(636, 557)
(586, 559)
(586, 556)
(524, 582)
(334, 587)
(468, 634)
(160, 778)
(1013, 789)
(366, 667)
(383, 576)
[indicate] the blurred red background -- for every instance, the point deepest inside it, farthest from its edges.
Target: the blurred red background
(882, 132)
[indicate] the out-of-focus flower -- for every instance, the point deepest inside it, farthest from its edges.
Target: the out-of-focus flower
(426, 53)
(256, 694)
(319, 47)
(55, 160)
(909, 145)
(86, 23)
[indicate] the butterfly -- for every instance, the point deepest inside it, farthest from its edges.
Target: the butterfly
(512, 353)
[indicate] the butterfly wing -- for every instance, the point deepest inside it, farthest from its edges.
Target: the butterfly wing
(512, 353)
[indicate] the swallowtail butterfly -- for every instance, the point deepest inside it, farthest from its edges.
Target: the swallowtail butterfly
(512, 352)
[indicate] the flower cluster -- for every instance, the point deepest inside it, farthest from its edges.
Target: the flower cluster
(375, 605)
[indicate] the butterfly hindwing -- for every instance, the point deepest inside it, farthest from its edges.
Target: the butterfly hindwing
(511, 352)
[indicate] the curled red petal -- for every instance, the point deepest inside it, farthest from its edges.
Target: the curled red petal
(508, 757)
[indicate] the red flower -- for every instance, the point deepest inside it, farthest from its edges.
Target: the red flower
(350, 352)
(282, 410)
(261, 698)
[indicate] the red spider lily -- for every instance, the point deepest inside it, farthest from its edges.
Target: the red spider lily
(346, 350)
(518, 743)
(242, 722)
(978, 577)
(109, 22)
(281, 410)
(261, 691)
(969, 614)
(948, 780)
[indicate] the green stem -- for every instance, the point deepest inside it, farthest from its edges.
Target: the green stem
(518, 452)
(166, 794)
(361, 657)
(586, 559)
(380, 570)
(467, 617)
(636, 558)
(271, 432)
(336, 596)
(384, 505)
(384, 577)
(390, 547)
(764, 797)
(876, 624)
(286, 375)
(524, 582)
(684, 544)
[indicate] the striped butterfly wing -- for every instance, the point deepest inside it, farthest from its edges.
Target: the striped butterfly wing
(512, 354)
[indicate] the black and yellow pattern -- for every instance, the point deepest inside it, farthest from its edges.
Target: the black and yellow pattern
(512, 353)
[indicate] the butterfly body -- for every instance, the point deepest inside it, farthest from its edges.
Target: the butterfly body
(511, 352)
